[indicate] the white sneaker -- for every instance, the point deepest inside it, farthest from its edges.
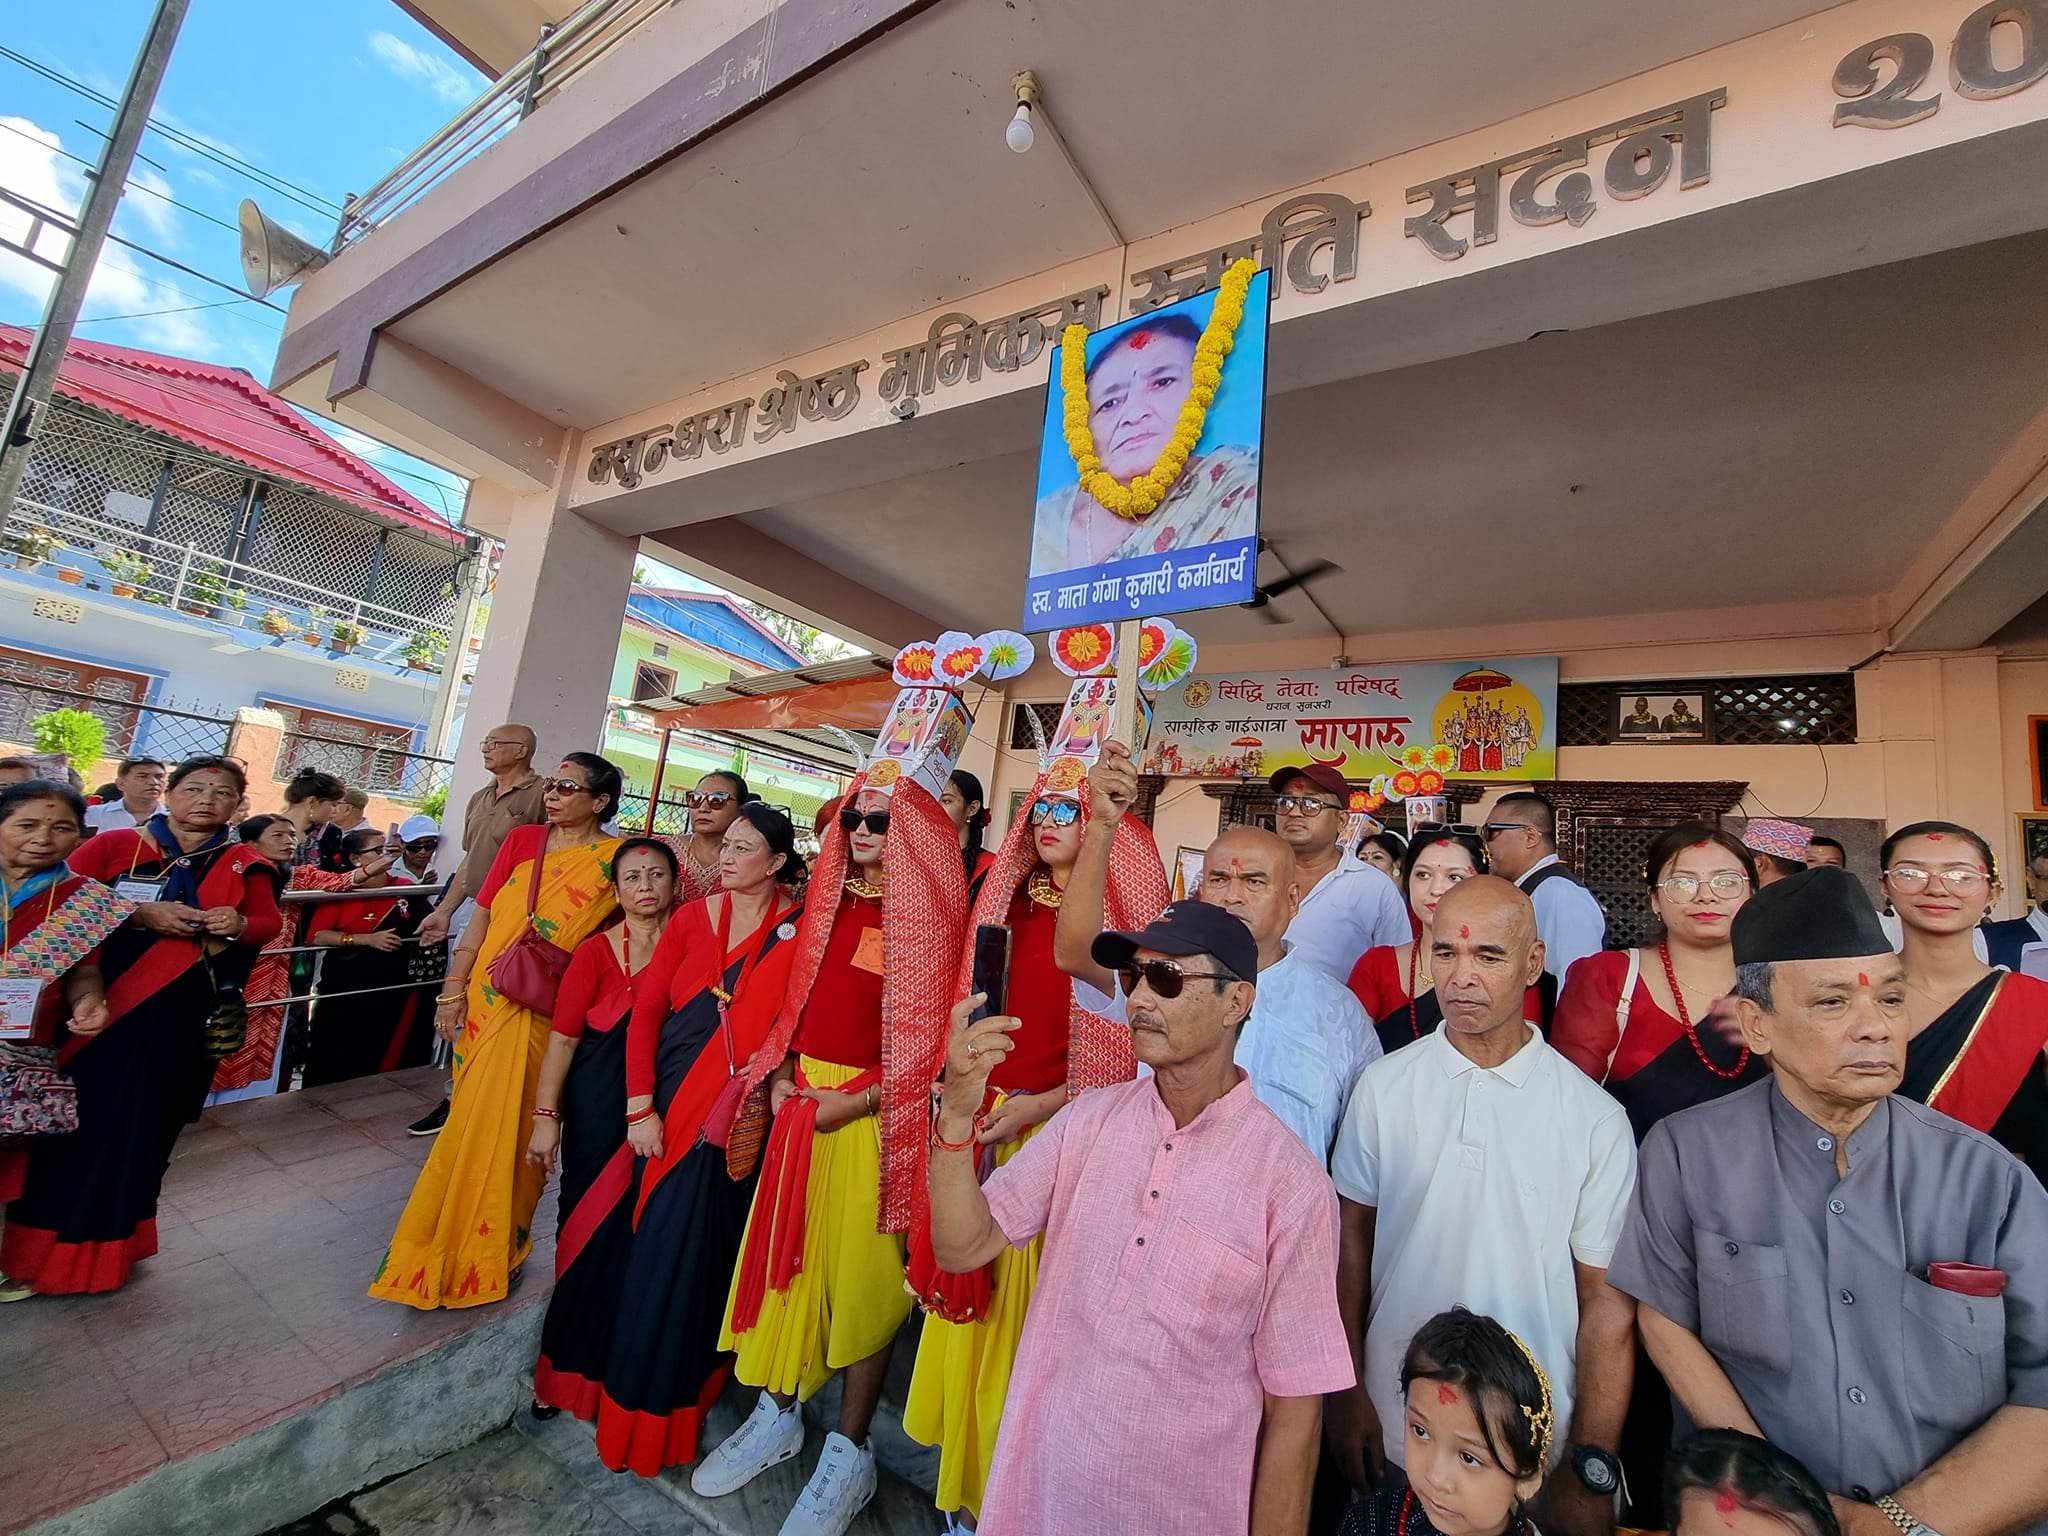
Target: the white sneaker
(837, 1492)
(769, 1436)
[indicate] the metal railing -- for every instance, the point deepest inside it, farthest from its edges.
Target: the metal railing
(133, 726)
(563, 52)
(126, 561)
(378, 766)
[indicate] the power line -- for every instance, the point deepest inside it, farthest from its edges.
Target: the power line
(142, 314)
(61, 218)
(132, 186)
(191, 143)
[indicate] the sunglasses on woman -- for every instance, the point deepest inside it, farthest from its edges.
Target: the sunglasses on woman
(707, 799)
(1164, 977)
(563, 787)
(877, 822)
(1061, 813)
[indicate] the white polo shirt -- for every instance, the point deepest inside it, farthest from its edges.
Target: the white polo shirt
(1488, 1183)
(112, 816)
(1353, 908)
(1303, 1047)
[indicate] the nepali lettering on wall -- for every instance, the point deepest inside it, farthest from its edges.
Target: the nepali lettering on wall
(1148, 472)
(1495, 720)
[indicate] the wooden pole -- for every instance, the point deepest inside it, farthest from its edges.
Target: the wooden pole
(1123, 724)
(660, 767)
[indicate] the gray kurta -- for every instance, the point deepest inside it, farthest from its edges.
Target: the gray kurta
(1811, 1293)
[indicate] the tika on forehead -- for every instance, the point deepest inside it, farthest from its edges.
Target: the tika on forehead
(1464, 931)
(1446, 1394)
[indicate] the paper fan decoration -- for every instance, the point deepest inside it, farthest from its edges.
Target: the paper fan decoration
(916, 664)
(960, 657)
(1152, 637)
(1414, 759)
(1355, 801)
(1406, 784)
(1084, 651)
(1429, 782)
(1371, 803)
(1007, 654)
(1441, 757)
(1174, 661)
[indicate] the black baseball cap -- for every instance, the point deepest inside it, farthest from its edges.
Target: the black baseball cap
(1185, 928)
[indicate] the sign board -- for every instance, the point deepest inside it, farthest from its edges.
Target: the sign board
(1495, 720)
(1199, 547)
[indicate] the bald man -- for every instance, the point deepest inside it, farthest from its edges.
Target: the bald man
(1307, 1039)
(1479, 1167)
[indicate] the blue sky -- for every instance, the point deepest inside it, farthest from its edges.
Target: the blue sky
(327, 96)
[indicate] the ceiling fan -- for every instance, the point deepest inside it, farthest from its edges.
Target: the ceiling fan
(1262, 598)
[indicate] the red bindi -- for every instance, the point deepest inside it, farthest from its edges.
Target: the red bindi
(1140, 342)
(1445, 1394)
(1464, 931)
(1862, 980)
(1725, 1502)
(1935, 837)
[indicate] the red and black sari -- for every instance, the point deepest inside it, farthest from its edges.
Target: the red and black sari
(688, 1215)
(87, 1211)
(360, 1036)
(600, 1179)
(1981, 1063)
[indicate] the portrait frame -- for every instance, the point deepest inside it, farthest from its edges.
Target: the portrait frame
(2037, 759)
(1205, 553)
(2031, 830)
(1628, 724)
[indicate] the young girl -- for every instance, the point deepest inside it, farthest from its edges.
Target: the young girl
(1478, 1427)
(1721, 1482)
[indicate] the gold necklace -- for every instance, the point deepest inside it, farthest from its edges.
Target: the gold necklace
(867, 890)
(1040, 888)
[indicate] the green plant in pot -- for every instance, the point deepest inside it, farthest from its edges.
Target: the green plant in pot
(78, 734)
(30, 544)
(421, 652)
(346, 636)
(206, 593)
(275, 622)
(315, 617)
(127, 572)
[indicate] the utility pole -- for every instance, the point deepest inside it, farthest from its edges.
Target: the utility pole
(38, 377)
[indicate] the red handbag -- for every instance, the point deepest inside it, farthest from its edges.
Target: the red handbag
(529, 970)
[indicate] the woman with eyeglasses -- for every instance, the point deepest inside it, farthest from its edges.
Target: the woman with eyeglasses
(1648, 1023)
(1393, 981)
(712, 806)
(1976, 1052)
(205, 905)
(360, 1030)
(976, 1320)
(468, 1227)
(707, 1000)
(580, 1116)
(850, 1063)
(258, 1068)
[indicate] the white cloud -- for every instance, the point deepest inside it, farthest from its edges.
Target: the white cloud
(123, 283)
(444, 79)
(148, 199)
(205, 178)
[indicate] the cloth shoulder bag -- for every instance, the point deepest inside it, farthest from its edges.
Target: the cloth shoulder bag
(529, 970)
(36, 1097)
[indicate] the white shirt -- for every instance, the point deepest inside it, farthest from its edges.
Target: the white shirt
(1569, 920)
(1303, 1047)
(1895, 930)
(112, 816)
(1350, 910)
(1488, 1183)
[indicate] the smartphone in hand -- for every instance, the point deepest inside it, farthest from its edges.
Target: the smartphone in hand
(991, 969)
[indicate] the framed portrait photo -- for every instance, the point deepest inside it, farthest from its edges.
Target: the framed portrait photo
(1659, 717)
(2037, 759)
(2033, 832)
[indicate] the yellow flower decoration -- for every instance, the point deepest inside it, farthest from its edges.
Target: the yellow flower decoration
(1141, 497)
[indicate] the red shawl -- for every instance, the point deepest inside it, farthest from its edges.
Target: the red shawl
(2004, 1045)
(924, 913)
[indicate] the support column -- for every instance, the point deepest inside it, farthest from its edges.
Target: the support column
(1938, 722)
(554, 635)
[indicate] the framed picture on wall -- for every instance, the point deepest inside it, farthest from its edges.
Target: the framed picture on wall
(1016, 809)
(2033, 841)
(2037, 759)
(1659, 717)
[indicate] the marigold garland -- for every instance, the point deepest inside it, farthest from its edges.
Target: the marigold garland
(1142, 496)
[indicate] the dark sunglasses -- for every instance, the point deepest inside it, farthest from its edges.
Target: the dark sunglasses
(423, 845)
(564, 787)
(1164, 977)
(876, 822)
(707, 799)
(1061, 813)
(1494, 829)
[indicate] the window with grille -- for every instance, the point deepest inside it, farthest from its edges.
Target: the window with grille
(652, 682)
(366, 754)
(1021, 739)
(1814, 708)
(660, 651)
(33, 684)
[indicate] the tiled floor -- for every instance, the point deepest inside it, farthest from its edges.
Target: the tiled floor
(273, 1218)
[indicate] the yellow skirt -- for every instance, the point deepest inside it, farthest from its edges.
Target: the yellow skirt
(963, 1374)
(849, 1299)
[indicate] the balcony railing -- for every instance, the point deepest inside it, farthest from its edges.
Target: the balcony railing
(563, 52)
(123, 559)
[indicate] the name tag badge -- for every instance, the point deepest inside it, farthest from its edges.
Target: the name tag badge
(18, 998)
(140, 890)
(868, 956)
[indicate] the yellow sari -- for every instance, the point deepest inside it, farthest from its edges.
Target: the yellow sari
(469, 1222)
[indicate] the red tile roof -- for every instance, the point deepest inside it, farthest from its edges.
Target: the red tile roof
(225, 411)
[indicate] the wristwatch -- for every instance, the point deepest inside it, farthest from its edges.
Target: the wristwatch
(1907, 1522)
(1599, 1470)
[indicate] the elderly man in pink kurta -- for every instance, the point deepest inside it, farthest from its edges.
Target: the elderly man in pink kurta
(1185, 1323)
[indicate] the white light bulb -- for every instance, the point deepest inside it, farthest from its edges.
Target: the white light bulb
(1018, 134)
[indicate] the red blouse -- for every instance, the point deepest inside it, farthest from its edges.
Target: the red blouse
(595, 993)
(1377, 982)
(842, 1018)
(685, 963)
(364, 915)
(1041, 996)
(521, 844)
(1585, 1031)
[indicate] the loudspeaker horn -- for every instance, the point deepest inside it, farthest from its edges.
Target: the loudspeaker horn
(272, 256)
